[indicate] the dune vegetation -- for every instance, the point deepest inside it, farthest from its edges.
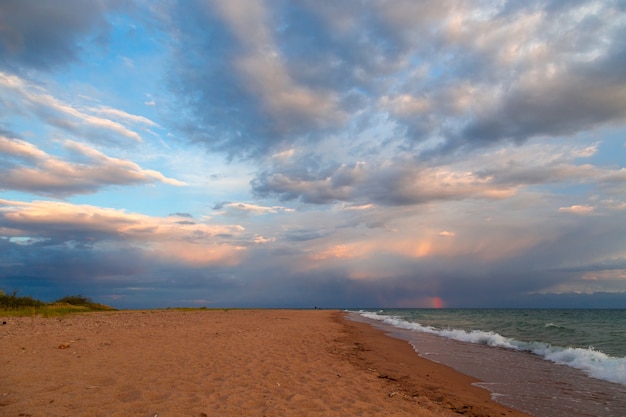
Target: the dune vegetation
(15, 305)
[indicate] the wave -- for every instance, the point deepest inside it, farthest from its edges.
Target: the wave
(558, 328)
(593, 362)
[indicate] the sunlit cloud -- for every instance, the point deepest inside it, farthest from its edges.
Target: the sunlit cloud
(187, 242)
(122, 115)
(28, 168)
(577, 209)
(337, 251)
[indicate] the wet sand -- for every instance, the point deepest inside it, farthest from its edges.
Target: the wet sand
(223, 363)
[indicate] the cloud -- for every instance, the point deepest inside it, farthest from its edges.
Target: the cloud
(614, 205)
(265, 75)
(122, 115)
(611, 281)
(551, 107)
(545, 82)
(261, 101)
(25, 167)
(449, 77)
(24, 98)
(63, 224)
(181, 215)
(251, 80)
(577, 209)
(313, 257)
(248, 209)
(404, 180)
(380, 153)
(47, 36)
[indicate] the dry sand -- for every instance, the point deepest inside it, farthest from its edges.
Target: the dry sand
(223, 363)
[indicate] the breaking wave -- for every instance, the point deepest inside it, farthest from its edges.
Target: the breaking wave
(593, 362)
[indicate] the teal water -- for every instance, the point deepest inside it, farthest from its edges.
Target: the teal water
(602, 330)
(576, 365)
(591, 340)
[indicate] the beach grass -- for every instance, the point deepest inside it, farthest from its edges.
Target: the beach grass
(15, 305)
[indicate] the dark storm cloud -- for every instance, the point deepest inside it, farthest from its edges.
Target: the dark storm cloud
(611, 264)
(144, 279)
(124, 276)
(45, 35)
(109, 269)
(511, 278)
(520, 279)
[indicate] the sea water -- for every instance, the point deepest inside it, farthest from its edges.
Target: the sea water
(547, 363)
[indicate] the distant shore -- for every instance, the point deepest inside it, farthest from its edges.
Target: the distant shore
(226, 363)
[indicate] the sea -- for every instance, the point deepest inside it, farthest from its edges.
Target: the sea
(546, 363)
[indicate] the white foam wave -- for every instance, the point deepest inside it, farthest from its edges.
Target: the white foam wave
(595, 363)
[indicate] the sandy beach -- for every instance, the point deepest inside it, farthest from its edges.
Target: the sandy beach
(223, 363)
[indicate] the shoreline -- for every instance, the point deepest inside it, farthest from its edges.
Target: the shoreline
(419, 378)
(224, 362)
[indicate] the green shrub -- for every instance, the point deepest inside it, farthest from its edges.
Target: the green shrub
(13, 301)
(75, 300)
(14, 305)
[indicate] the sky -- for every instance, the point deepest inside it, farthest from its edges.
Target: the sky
(352, 153)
